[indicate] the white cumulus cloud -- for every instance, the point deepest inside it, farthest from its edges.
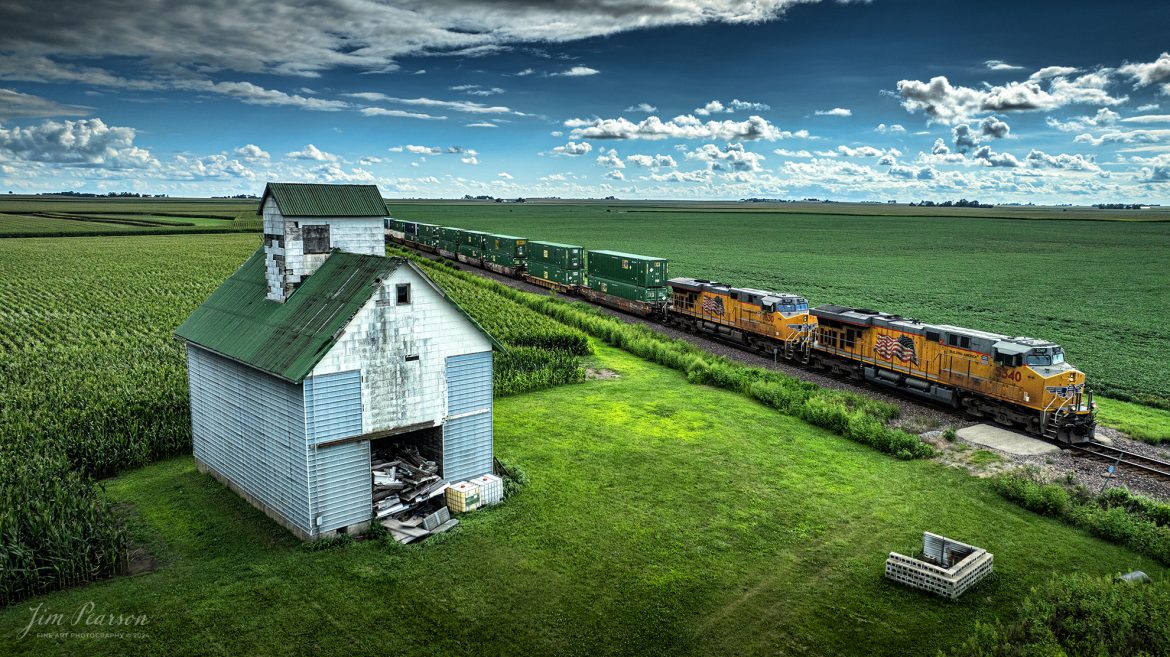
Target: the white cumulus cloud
(576, 72)
(574, 148)
(82, 143)
(680, 127)
(311, 152)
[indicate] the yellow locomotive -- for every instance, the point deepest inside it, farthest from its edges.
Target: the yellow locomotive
(776, 323)
(1015, 381)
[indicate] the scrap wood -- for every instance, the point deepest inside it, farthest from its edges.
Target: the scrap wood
(382, 513)
(381, 495)
(445, 526)
(401, 527)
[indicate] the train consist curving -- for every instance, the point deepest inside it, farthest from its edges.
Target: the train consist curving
(1015, 381)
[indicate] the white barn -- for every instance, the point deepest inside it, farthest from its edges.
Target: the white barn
(318, 346)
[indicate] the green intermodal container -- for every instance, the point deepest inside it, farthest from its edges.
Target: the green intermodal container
(473, 238)
(452, 235)
(563, 256)
(628, 290)
(446, 246)
(503, 259)
(396, 225)
(639, 270)
(554, 273)
(505, 245)
(469, 250)
(429, 231)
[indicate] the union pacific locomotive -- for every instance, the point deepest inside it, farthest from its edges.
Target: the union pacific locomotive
(1014, 381)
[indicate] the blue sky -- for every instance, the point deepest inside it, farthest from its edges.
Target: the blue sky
(1044, 102)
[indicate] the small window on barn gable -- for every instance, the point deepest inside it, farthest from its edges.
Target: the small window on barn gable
(403, 294)
(316, 239)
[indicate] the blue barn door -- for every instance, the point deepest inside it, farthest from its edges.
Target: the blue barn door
(467, 434)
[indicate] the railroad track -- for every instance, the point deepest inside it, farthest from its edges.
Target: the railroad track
(910, 405)
(1124, 458)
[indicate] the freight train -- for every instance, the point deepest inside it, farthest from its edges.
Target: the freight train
(1015, 381)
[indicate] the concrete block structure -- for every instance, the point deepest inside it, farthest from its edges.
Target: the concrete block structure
(302, 360)
(946, 567)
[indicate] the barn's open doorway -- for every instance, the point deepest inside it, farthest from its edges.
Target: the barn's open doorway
(406, 470)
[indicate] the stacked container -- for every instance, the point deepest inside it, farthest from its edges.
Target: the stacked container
(429, 234)
(559, 263)
(505, 250)
(628, 275)
(471, 243)
(449, 239)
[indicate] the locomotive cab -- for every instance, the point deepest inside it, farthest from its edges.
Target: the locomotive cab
(1050, 385)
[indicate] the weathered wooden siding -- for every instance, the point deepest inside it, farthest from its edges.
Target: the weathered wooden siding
(249, 429)
(339, 475)
(287, 264)
(467, 435)
(397, 392)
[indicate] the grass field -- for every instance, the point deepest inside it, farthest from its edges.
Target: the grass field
(1033, 212)
(194, 206)
(18, 225)
(31, 216)
(661, 519)
(1096, 287)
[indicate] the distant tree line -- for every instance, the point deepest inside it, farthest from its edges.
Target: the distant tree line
(1121, 206)
(109, 195)
(961, 203)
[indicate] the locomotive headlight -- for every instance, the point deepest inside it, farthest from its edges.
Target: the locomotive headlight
(1072, 377)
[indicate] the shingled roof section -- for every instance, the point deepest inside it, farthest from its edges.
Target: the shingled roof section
(310, 200)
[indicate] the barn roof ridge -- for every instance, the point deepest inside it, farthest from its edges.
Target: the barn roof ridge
(322, 200)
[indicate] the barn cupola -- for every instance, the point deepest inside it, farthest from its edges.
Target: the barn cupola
(303, 223)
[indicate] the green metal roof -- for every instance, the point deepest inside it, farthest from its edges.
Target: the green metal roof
(288, 339)
(312, 200)
(285, 339)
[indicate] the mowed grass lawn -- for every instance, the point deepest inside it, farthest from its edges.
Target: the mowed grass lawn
(661, 518)
(1095, 287)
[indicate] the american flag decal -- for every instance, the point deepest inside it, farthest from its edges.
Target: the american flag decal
(902, 348)
(1065, 392)
(713, 305)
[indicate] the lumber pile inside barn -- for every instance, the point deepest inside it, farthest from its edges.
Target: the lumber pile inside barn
(408, 495)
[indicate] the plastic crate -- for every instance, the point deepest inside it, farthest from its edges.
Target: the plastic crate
(463, 497)
(491, 489)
